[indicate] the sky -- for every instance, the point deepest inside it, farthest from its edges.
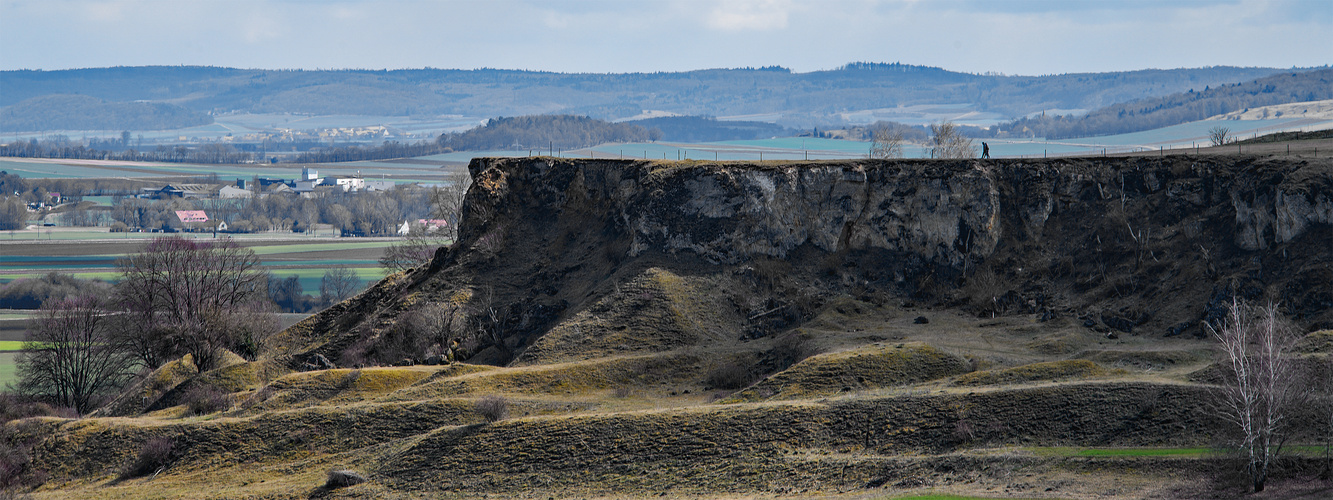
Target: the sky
(1032, 37)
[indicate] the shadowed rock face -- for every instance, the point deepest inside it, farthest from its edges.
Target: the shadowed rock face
(945, 215)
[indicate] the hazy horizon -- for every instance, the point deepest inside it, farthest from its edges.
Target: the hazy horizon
(1031, 38)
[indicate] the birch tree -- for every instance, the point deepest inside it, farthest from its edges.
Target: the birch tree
(1260, 384)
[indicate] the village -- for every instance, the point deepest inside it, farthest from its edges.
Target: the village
(331, 205)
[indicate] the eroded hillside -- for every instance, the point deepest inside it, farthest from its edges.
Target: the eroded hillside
(654, 255)
(768, 329)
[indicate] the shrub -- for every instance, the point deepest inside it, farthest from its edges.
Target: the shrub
(16, 459)
(730, 375)
(205, 399)
(493, 408)
(14, 407)
(154, 456)
(342, 478)
(792, 348)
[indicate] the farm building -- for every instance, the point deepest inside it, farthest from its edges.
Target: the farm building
(233, 192)
(191, 216)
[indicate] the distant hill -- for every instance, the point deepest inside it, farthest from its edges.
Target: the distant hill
(800, 100)
(81, 112)
(708, 129)
(544, 131)
(1182, 107)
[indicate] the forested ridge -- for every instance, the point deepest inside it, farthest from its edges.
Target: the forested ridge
(81, 112)
(801, 100)
(1174, 109)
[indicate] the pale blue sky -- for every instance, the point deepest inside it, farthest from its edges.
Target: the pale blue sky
(1013, 37)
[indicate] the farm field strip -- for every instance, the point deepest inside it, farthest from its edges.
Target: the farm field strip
(8, 368)
(306, 259)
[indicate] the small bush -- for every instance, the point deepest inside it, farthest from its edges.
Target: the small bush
(792, 348)
(730, 375)
(493, 408)
(205, 399)
(342, 478)
(963, 431)
(14, 407)
(154, 456)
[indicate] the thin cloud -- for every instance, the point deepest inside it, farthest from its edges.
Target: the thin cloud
(1014, 37)
(749, 15)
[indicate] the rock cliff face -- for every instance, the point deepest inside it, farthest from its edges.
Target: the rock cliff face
(1137, 245)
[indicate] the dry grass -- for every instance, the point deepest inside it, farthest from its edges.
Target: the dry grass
(1072, 369)
(871, 367)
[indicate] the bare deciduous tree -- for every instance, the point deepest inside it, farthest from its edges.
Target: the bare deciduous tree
(1260, 384)
(338, 284)
(179, 292)
(1218, 135)
(69, 357)
(447, 203)
(947, 141)
(414, 250)
(887, 143)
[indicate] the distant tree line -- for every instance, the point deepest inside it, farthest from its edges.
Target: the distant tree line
(910, 133)
(62, 147)
(709, 129)
(543, 132)
(392, 149)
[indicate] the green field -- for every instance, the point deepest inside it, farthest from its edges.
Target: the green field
(7, 368)
(10, 345)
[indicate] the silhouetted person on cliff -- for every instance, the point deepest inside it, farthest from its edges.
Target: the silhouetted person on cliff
(985, 150)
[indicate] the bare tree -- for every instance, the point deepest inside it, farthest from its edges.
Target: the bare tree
(415, 250)
(1260, 384)
(443, 324)
(180, 292)
(887, 143)
(1218, 135)
(338, 284)
(947, 141)
(69, 358)
(447, 203)
(13, 213)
